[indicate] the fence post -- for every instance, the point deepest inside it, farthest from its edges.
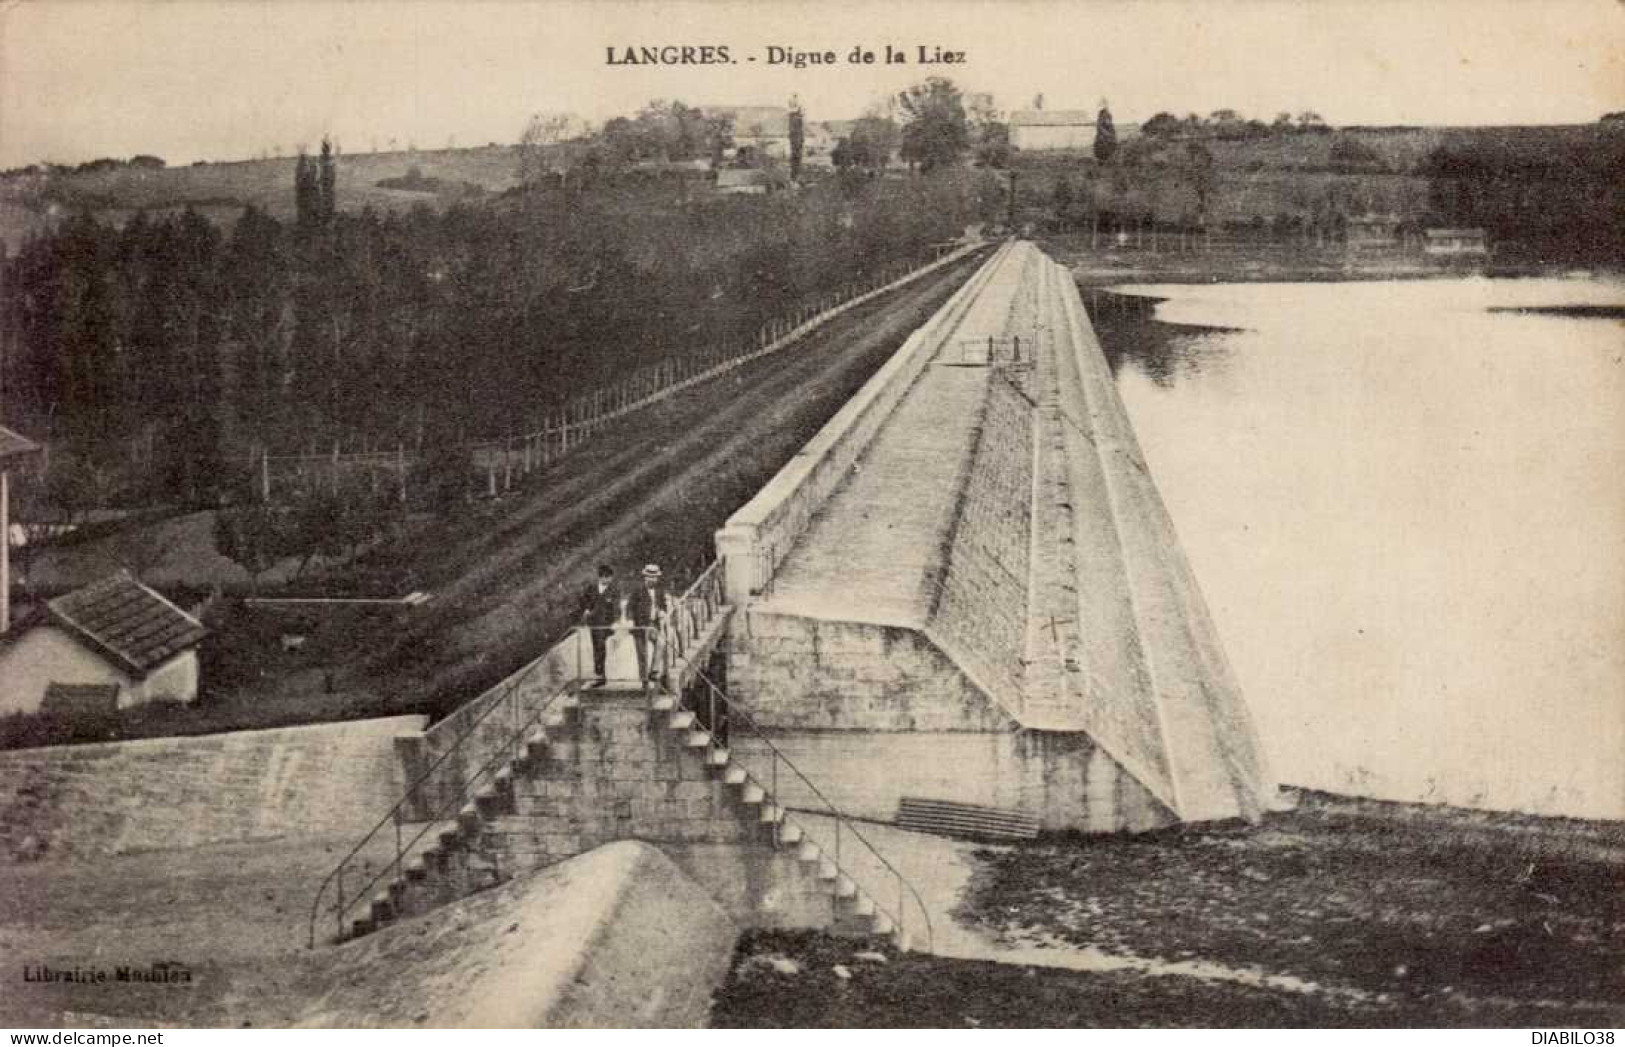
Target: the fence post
(400, 467)
(265, 474)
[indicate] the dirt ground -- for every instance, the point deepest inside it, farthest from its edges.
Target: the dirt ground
(1344, 912)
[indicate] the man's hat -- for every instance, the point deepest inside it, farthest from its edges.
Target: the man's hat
(652, 571)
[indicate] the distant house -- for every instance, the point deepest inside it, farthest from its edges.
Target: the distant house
(1373, 232)
(1035, 130)
(742, 180)
(1455, 243)
(821, 137)
(115, 632)
(766, 128)
(12, 446)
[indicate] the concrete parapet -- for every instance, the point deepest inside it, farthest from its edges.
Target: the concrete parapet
(1059, 778)
(1001, 565)
(758, 537)
(797, 672)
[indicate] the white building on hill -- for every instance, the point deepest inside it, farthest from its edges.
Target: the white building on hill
(1038, 130)
(1035, 130)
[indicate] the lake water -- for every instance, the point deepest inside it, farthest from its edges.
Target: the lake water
(1407, 513)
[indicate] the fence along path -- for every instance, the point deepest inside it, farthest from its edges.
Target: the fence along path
(558, 433)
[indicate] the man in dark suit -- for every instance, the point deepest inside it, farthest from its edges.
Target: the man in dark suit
(600, 610)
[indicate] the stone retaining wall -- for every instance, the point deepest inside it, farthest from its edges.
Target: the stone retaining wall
(78, 802)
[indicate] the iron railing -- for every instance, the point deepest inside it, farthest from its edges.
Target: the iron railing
(718, 724)
(682, 624)
(672, 646)
(510, 700)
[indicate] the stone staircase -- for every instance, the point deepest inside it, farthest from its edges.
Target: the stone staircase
(462, 856)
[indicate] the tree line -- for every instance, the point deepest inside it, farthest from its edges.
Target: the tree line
(161, 357)
(1555, 193)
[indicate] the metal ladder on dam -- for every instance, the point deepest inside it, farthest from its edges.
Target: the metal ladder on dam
(400, 869)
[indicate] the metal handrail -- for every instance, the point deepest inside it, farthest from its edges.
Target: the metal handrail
(705, 590)
(694, 609)
(733, 706)
(394, 815)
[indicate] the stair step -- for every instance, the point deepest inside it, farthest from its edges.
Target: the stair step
(789, 834)
(503, 780)
(554, 718)
(383, 907)
(861, 905)
(468, 819)
(569, 700)
(735, 775)
(810, 852)
(681, 720)
(537, 736)
(662, 703)
(360, 925)
(753, 793)
(697, 739)
(883, 924)
(827, 870)
(449, 839)
(417, 868)
(717, 757)
(771, 812)
(845, 888)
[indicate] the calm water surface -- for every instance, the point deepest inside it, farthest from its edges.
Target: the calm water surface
(1407, 513)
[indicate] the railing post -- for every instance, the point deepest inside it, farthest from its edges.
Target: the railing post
(338, 907)
(902, 920)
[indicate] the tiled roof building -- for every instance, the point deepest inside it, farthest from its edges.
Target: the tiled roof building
(113, 635)
(127, 622)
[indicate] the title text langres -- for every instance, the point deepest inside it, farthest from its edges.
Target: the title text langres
(671, 54)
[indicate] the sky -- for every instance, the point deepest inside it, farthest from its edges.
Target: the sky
(230, 79)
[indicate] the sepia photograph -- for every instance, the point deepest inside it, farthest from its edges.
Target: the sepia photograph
(705, 514)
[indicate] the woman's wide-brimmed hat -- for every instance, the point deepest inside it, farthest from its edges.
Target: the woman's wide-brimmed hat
(652, 571)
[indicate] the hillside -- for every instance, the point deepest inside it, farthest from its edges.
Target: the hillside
(1257, 177)
(220, 191)
(1554, 191)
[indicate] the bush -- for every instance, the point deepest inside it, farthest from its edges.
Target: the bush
(1350, 154)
